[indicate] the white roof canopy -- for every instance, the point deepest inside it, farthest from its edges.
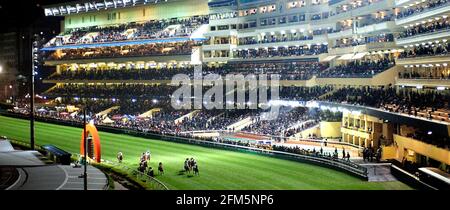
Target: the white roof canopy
(359, 55)
(330, 58)
(346, 57)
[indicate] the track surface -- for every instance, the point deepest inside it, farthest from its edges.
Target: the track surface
(219, 169)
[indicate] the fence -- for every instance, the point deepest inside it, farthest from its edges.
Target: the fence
(152, 182)
(134, 174)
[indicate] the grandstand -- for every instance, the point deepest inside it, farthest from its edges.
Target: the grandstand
(367, 75)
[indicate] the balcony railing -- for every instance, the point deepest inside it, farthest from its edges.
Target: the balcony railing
(424, 10)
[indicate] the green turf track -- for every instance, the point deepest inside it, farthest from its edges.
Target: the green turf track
(219, 169)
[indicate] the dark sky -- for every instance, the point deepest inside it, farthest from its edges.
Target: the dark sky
(23, 13)
(23, 17)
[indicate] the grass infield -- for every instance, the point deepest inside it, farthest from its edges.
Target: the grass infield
(219, 169)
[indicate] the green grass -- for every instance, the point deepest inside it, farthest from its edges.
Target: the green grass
(219, 169)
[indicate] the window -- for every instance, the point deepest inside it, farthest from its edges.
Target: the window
(207, 54)
(293, 19)
(272, 21)
(213, 28)
(112, 16)
(223, 27)
(263, 22)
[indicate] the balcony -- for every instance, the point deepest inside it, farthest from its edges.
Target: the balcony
(216, 59)
(429, 150)
(425, 82)
(347, 50)
(163, 58)
(383, 78)
(377, 46)
(429, 13)
(378, 28)
(365, 10)
(317, 39)
(401, 2)
(228, 47)
(424, 60)
(425, 37)
(221, 33)
(300, 58)
(356, 132)
(226, 21)
(341, 34)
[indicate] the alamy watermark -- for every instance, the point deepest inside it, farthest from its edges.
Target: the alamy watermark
(231, 87)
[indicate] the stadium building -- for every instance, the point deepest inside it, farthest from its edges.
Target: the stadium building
(374, 72)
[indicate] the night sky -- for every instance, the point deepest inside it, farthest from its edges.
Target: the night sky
(25, 17)
(19, 14)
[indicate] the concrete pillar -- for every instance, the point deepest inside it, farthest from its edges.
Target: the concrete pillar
(308, 2)
(365, 124)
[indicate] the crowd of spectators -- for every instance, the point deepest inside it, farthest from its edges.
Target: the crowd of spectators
(286, 71)
(122, 74)
(365, 40)
(358, 69)
(429, 4)
(274, 39)
(334, 156)
(138, 92)
(228, 117)
(376, 20)
(426, 50)
(288, 122)
(425, 73)
(405, 100)
(201, 120)
(301, 93)
(428, 27)
(154, 49)
(153, 29)
(222, 16)
(282, 51)
(130, 91)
